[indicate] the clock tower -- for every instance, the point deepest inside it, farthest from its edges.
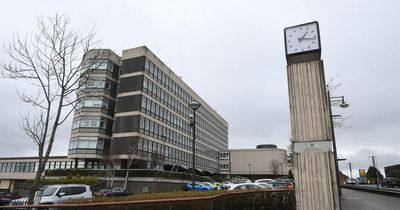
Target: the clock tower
(311, 136)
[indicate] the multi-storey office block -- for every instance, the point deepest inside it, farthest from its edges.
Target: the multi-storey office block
(152, 119)
(93, 118)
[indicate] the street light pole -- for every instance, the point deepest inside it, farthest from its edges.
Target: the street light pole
(376, 172)
(194, 106)
(343, 105)
(334, 144)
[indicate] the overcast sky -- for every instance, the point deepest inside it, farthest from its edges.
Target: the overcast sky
(232, 54)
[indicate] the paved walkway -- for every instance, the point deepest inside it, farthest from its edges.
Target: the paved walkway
(358, 200)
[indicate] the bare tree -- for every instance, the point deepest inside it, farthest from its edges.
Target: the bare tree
(51, 62)
(275, 165)
(156, 160)
(132, 152)
(339, 120)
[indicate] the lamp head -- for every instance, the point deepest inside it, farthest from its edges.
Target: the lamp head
(344, 104)
(194, 105)
(191, 119)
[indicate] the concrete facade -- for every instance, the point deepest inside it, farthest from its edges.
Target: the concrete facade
(313, 159)
(255, 163)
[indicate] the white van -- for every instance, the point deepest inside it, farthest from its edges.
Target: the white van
(55, 194)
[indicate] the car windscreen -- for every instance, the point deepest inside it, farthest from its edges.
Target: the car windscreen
(49, 191)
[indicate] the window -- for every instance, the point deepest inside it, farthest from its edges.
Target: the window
(95, 83)
(224, 167)
(89, 122)
(141, 122)
(147, 64)
(145, 80)
(100, 144)
(107, 85)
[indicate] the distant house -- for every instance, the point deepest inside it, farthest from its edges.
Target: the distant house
(392, 171)
(343, 178)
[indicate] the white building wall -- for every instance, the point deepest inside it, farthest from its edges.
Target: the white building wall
(257, 161)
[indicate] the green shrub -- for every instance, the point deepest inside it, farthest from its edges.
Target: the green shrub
(89, 180)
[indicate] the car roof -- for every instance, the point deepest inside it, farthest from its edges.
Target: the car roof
(67, 185)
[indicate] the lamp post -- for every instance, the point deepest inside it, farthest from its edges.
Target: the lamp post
(342, 105)
(194, 105)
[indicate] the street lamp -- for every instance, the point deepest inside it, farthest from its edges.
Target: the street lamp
(194, 105)
(343, 104)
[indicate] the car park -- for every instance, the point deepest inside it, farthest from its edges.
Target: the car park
(390, 182)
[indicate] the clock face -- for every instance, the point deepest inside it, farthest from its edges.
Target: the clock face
(302, 38)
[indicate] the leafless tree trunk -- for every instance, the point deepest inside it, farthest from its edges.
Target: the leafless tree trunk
(132, 151)
(51, 62)
(275, 166)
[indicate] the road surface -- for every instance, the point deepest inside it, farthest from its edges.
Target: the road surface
(358, 200)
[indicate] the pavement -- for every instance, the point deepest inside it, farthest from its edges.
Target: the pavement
(358, 200)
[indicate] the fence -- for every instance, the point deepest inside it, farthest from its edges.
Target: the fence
(247, 200)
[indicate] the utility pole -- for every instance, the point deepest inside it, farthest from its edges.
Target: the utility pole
(351, 174)
(376, 171)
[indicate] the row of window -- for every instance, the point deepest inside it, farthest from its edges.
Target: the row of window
(152, 70)
(153, 108)
(158, 75)
(101, 64)
(224, 156)
(33, 166)
(98, 83)
(164, 97)
(93, 102)
(89, 122)
(211, 118)
(224, 167)
(153, 129)
(86, 143)
(154, 150)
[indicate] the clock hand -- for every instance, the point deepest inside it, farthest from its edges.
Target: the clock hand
(304, 35)
(308, 39)
(300, 39)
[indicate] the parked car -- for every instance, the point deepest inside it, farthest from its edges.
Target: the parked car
(6, 197)
(266, 186)
(198, 187)
(390, 182)
(264, 181)
(351, 182)
(282, 185)
(55, 194)
(246, 186)
(115, 191)
(4, 201)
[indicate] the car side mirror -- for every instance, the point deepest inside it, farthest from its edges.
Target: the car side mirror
(61, 194)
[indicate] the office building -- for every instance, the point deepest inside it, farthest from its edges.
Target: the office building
(266, 161)
(135, 108)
